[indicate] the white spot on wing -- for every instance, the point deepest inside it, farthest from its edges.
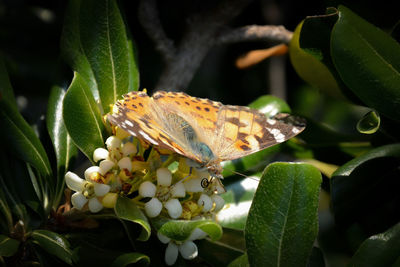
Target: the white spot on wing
(131, 132)
(148, 138)
(272, 122)
(279, 137)
(129, 123)
(295, 130)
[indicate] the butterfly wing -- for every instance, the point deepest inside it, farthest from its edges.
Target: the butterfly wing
(137, 116)
(243, 131)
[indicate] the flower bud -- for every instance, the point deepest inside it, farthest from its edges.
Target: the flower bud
(109, 200)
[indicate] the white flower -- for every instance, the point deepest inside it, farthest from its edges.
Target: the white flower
(164, 194)
(187, 249)
(218, 201)
(128, 149)
(100, 154)
(193, 185)
(206, 202)
(113, 142)
(87, 191)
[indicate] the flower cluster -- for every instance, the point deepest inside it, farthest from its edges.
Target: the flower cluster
(160, 182)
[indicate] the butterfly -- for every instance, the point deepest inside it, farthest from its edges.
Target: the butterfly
(200, 129)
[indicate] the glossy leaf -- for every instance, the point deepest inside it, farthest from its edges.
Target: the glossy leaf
(379, 250)
(283, 223)
(64, 148)
(21, 139)
(126, 209)
(370, 123)
(309, 63)
(6, 91)
(8, 246)
(131, 258)
(82, 117)
(54, 244)
(364, 190)
(270, 105)
(368, 61)
(96, 44)
(180, 230)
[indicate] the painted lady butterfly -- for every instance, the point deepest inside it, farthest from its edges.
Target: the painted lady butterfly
(205, 131)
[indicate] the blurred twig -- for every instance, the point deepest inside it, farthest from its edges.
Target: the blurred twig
(204, 30)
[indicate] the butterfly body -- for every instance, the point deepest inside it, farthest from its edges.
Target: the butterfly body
(203, 130)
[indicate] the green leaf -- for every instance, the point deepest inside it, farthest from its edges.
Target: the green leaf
(364, 189)
(370, 123)
(379, 250)
(6, 91)
(180, 230)
(63, 146)
(54, 244)
(270, 105)
(368, 61)
(130, 258)
(96, 44)
(307, 58)
(126, 209)
(8, 246)
(241, 261)
(282, 223)
(82, 117)
(21, 140)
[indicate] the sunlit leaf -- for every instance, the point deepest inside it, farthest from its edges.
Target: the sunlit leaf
(82, 117)
(282, 223)
(96, 44)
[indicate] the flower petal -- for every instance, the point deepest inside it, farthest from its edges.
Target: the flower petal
(153, 207)
(193, 185)
(197, 234)
(174, 208)
(164, 177)
(105, 166)
(113, 142)
(188, 250)
(128, 149)
(101, 189)
(100, 153)
(89, 171)
(74, 182)
(219, 202)
(178, 190)
(95, 205)
(125, 163)
(164, 239)
(206, 202)
(78, 200)
(147, 189)
(171, 253)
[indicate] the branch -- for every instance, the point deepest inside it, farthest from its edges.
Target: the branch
(256, 32)
(150, 20)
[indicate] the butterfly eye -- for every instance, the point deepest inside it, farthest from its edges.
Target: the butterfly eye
(205, 183)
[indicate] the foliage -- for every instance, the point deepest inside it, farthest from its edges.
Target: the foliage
(270, 219)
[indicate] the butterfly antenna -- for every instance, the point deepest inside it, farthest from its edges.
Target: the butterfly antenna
(243, 175)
